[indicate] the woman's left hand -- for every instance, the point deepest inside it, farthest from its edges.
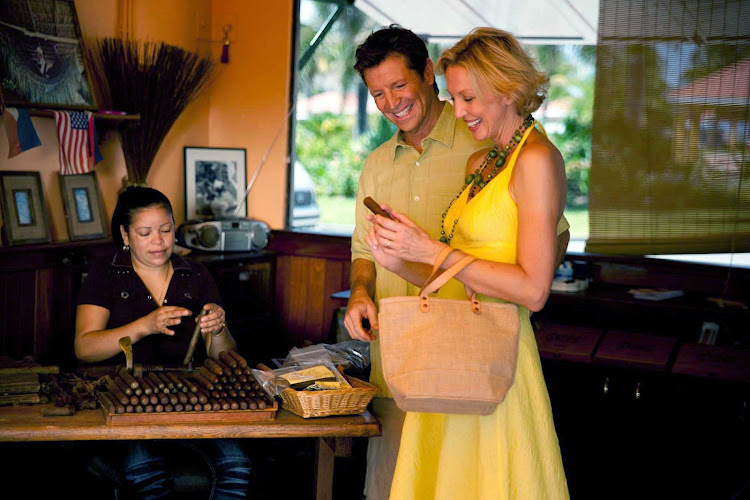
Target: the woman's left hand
(403, 239)
(214, 321)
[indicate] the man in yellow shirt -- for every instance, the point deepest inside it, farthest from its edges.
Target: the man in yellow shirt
(419, 171)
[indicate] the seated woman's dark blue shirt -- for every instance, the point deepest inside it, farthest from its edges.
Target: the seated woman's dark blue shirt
(115, 286)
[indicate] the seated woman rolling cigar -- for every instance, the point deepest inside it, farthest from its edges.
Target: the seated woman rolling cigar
(154, 297)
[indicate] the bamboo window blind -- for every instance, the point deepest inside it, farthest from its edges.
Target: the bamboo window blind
(670, 168)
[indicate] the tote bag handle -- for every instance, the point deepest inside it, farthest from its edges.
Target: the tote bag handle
(438, 279)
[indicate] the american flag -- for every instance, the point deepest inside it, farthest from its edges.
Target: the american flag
(75, 130)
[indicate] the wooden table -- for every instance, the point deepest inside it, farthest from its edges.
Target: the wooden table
(26, 423)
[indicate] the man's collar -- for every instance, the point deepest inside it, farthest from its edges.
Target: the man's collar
(123, 259)
(441, 132)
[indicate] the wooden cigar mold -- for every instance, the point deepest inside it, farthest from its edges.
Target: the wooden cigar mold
(219, 390)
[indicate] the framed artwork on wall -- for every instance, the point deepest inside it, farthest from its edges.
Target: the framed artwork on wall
(214, 182)
(43, 64)
(83, 207)
(24, 209)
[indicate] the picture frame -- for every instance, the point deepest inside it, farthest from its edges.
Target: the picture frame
(83, 206)
(24, 209)
(214, 182)
(43, 64)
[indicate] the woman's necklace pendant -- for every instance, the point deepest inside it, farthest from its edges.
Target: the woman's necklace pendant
(476, 182)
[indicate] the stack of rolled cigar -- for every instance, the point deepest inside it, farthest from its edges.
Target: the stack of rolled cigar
(222, 384)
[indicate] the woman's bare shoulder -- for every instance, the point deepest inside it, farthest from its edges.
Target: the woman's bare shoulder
(538, 163)
(540, 151)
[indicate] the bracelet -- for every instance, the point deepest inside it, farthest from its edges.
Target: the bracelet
(220, 332)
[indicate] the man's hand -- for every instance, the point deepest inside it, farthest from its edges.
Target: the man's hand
(360, 307)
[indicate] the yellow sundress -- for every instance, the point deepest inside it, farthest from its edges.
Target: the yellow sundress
(512, 453)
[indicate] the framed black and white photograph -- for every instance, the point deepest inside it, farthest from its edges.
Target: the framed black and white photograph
(214, 182)
(42, 61)
(24, 209)
(83, 206)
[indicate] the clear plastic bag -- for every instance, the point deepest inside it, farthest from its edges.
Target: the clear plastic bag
(350, 354)
(274, 382)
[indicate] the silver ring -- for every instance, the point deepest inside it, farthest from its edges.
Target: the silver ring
(163, 324)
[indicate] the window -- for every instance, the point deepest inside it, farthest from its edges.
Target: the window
(670, 165)
(337, 124)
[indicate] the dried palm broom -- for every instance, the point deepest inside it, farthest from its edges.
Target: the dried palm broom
(155, 80)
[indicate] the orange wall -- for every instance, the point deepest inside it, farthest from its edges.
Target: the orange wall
(249, 102)
(243, 108)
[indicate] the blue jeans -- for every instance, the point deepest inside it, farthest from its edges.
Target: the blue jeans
(146, 467)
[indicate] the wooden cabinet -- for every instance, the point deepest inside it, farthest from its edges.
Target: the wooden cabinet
(246, 283)
(38, 289)
(310, 269)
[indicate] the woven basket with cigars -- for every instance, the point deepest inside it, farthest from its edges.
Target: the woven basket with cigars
(350, 397)
(346, 401)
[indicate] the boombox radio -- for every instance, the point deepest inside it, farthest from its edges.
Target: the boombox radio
(229, 235)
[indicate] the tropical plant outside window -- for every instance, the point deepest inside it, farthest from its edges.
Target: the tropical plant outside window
(333, 135)
(338, 125)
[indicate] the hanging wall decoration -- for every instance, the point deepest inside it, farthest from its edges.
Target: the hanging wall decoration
(41, 56)
(83, 206)
(23, 208)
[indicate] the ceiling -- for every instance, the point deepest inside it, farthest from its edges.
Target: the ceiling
(548, 22)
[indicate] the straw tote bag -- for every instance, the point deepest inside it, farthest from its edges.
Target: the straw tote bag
(448, 355)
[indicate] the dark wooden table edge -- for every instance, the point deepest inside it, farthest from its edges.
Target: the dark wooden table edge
(94, 428)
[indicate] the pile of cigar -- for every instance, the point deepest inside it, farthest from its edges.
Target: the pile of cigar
(223, 384)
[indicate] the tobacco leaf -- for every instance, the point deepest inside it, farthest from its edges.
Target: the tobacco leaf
(68, 389)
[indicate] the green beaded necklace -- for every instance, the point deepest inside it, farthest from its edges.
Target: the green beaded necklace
(477, 179)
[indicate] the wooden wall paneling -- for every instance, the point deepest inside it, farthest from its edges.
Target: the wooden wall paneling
(26, 329)
(260, 276)
(328, 263)
(19, 321)
(310, 245)
(4, 312)
(337, 278)
(12, 312)
(246, 290)
(44, 301)
(292, 283)
(38, 290)
(298, 282)
(62, 327)
(246, 283)
(37, 315)
(281, 306)
(316, 295)
(303, 296)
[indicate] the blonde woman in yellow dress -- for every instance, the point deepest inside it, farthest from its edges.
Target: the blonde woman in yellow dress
(506, 216)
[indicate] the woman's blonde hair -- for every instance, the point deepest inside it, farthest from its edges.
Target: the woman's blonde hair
(495, 59)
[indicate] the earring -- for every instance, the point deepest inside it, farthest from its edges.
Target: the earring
(126, 248)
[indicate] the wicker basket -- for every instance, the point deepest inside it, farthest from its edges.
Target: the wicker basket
(349, 401)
